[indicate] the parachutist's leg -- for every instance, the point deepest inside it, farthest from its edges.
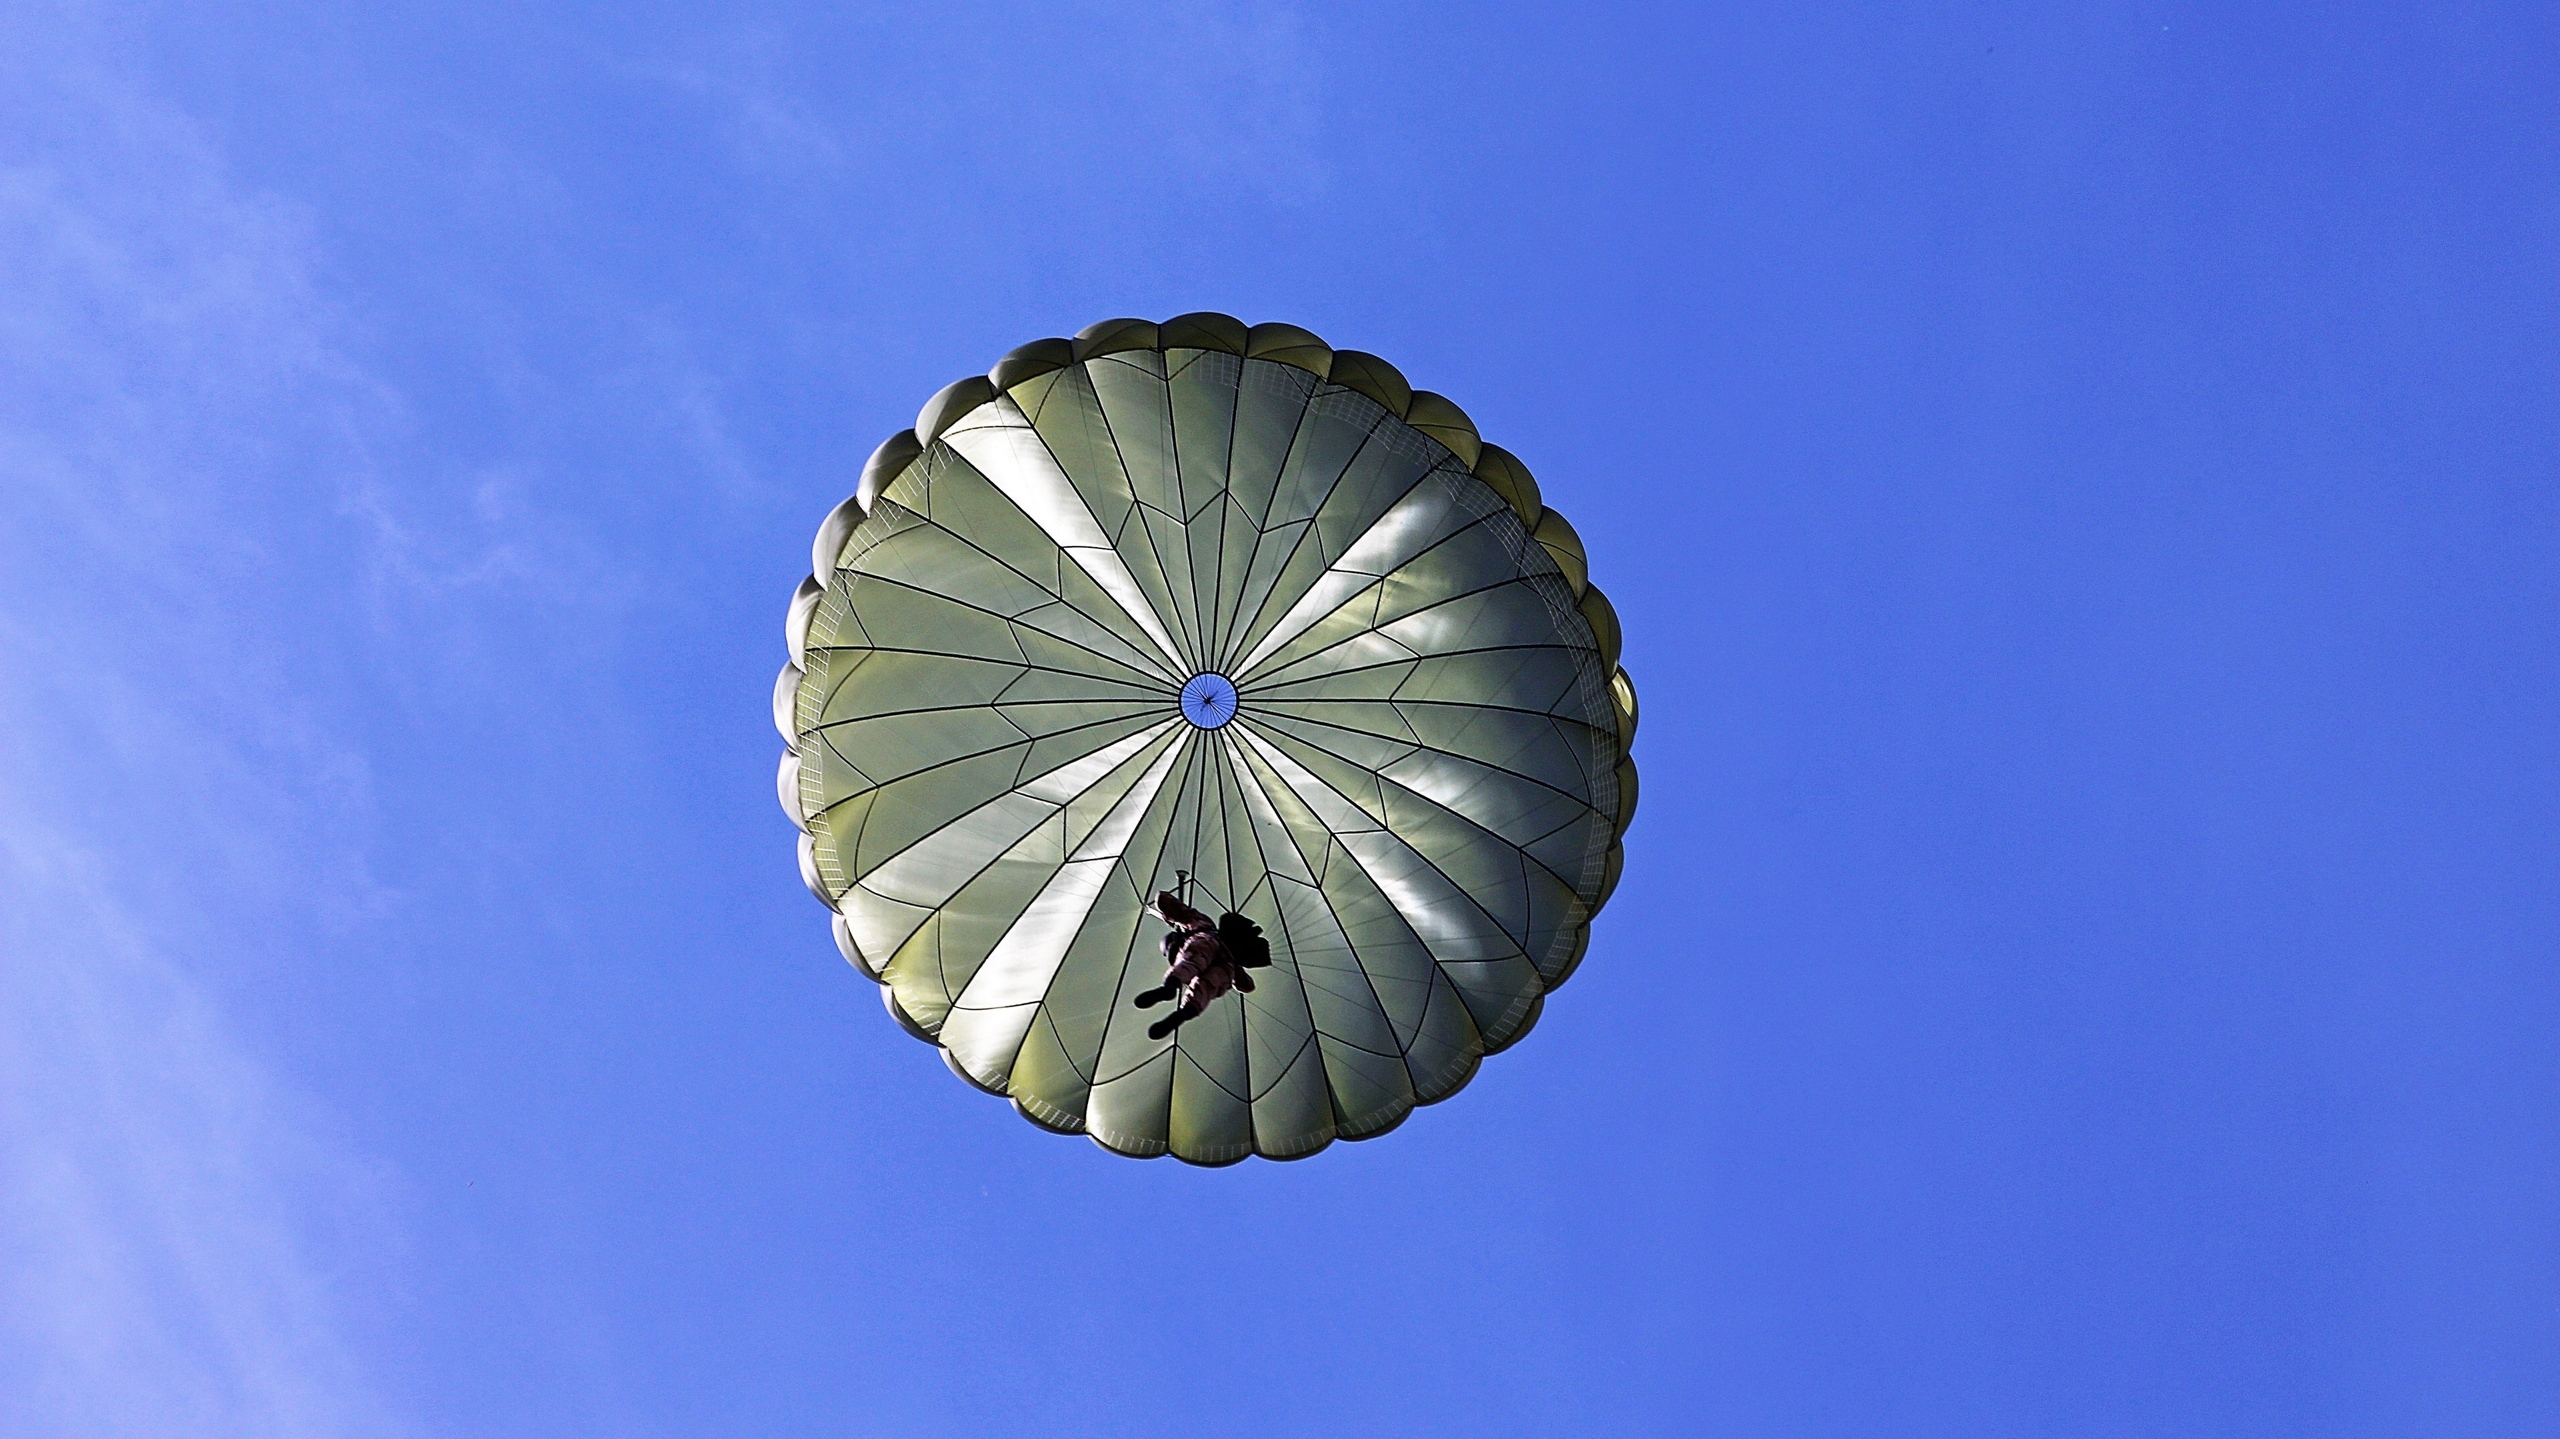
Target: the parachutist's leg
(1157, 995)
(1173, 1021)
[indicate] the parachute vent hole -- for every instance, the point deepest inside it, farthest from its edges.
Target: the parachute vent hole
(1209, 701)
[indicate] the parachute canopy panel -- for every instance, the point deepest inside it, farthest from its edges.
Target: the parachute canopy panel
(1174, 600)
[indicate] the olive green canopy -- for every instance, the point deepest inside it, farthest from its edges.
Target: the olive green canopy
(1405, 754)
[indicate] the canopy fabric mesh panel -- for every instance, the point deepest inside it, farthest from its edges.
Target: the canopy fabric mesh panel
(1402, 750)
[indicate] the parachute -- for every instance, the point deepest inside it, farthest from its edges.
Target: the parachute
(1197, 599)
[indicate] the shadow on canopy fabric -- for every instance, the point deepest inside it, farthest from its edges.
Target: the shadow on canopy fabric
(1199, 598)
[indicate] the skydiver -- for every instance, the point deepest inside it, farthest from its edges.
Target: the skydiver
(1202, 960)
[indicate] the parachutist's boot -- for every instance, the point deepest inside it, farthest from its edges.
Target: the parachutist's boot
(1155, 996)
(1172, 1022)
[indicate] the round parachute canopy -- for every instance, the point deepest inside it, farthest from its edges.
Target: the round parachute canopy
(1208, 600)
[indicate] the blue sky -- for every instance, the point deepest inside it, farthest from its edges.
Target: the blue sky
(2078, 482)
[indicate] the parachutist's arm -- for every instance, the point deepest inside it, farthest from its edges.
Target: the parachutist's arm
(1175, 912)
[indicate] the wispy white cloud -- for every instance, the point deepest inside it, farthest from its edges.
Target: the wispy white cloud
(1213, 92)
(766, 124)
(183, 1233)
(177, 1225)
(1239, 80)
